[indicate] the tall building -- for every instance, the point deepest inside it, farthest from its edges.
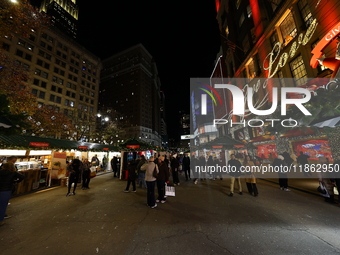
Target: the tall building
(63, 13)
(130, 85)
(65, 76)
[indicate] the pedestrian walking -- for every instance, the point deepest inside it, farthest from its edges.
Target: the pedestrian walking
(150, 181)
(8, 177)
(131, 176)
(195, 172)
(210, 162)
(86, 174)
(250, 176)
(162, 178)
(325, 177)
(75, 168)
(280, 164)
(235, 174)
(174, 165)
(114, 167)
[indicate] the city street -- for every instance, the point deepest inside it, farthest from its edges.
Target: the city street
(201, 219)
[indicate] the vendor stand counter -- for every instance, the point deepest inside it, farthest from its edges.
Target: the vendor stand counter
(35, 176)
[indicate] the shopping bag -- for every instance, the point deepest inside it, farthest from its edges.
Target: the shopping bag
(322, 190)
(336, 191)
(169, 190)
(93, 174)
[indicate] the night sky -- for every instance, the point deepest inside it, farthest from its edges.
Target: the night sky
(184, 41)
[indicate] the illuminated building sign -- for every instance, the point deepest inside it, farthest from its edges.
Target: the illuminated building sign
(326, 40)
(132, 146)
(82, 147)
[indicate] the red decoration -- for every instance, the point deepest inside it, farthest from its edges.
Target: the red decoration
(83, 147)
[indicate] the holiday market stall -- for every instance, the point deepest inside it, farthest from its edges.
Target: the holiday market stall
(43, 160)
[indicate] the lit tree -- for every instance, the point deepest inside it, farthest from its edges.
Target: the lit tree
(46, 122)
(20, 18)
(17, 19)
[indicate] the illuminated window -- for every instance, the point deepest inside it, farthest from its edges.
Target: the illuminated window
(288, 28)
(305, 12)
(250, 67)
(281, 78)
(298, 69)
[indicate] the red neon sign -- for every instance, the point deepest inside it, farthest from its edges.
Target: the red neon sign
(327, 39)
(132, 146)
(82, 147)
(33, 144)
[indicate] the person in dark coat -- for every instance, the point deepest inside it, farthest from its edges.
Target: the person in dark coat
(186, 166)
(132, 165)
(114, 166)
(174, 164)
(162, 177)
(302, 160)
(8, 177)
(75, 168)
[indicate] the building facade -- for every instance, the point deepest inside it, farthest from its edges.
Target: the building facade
(130, 87)
(275, 39)
(65, 76)
(64, 15)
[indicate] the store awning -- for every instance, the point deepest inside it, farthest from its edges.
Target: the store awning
(134, 144)
(298, 132)
(33, 142)
(333, 122)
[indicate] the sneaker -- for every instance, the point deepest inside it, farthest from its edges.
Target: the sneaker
(8, 203)
(73, 193)
(165, 196)
(281, 188)
(134, 191)
(231, 194)
(154, 206)
(196, 181)
(286, 189)
(7, 216)
(163, 201)
(68, 194)
(240, 193)
(157, 201)
(126, 191)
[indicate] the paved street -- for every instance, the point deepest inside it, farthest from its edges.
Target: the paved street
(201, 219)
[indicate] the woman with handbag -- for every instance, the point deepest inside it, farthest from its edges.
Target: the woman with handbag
(151, 170)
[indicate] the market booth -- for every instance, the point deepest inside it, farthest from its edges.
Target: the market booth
(43, 160)
(132, 149)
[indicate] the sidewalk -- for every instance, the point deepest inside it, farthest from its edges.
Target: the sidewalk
(308, 185)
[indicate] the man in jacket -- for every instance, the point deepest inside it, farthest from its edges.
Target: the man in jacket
(163, 176)
(150, 181)
(141, 173)
(235, 172)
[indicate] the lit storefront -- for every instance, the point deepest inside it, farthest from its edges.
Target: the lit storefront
(43, 161)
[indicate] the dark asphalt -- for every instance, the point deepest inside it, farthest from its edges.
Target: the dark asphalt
(201, 219)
